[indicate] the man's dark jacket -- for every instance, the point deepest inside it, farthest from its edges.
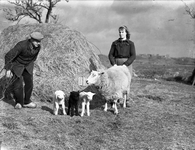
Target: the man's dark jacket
(21, 57)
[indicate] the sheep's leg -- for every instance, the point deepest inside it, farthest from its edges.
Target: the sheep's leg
(83, 109)
(193, 81)
(125, 101)
(77, 109)
(63, 109)
(69, 107)
(88, 104)
(56, 108)
(106, 106)
(112, 104)
(68, 113)
(72, 110)
(115, 109)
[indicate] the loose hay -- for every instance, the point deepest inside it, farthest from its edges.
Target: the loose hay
(65, 56)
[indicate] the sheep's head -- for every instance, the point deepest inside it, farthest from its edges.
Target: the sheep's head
(88, 94)
(59, 94)
(94, 77)
(74, 94)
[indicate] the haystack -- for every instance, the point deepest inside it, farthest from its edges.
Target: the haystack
(66, 56)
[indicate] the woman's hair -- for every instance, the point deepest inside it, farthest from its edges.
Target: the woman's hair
(127, 31)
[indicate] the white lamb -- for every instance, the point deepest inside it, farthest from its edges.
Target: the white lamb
(114, 84)
(86, 97)
(59, 100)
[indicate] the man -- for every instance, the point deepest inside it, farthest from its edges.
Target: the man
(19, 64)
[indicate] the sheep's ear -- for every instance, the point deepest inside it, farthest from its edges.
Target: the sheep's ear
(101, 73)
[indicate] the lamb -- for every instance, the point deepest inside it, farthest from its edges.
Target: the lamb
(74, 100)
(59, 100)
(86, 97)
(73, 103)
(113, 83)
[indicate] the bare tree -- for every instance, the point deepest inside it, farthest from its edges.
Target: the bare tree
(33, 9)
(189, 10)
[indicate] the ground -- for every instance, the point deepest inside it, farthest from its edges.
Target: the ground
(160, 116)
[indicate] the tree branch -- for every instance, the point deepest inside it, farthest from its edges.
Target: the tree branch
(29, 8)
(189, 10)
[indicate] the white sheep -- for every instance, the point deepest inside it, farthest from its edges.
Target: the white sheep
(113, 83)
(86, 97)
(59, 100)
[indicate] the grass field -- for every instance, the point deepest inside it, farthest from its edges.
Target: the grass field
(160, 116)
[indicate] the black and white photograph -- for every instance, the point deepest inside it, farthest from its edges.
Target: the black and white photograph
(97, 75)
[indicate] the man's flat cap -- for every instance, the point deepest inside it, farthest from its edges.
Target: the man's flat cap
(37, 36)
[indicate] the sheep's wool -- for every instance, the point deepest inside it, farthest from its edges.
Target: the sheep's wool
(114, 82)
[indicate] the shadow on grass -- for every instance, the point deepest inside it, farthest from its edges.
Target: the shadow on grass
(46, 108)
(180, 79)
(50, 110)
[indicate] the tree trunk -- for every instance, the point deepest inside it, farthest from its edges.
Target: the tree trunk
(48, 12)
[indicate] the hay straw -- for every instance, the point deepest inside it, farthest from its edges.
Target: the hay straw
(65, 56)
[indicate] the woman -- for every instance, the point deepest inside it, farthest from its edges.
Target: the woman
(122, 50)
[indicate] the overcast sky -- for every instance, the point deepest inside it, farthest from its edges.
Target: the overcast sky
(156, 27)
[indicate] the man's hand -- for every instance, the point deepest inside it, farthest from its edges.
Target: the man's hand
(9, 74)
